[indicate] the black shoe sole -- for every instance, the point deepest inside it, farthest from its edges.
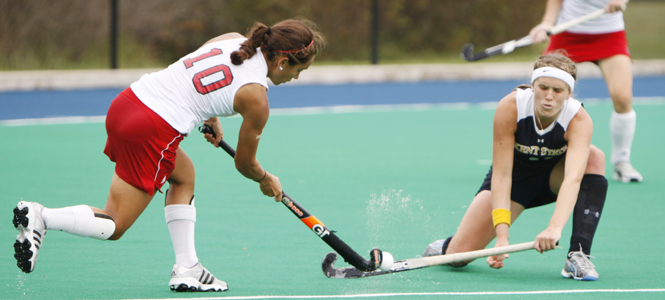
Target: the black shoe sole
(185, 288)
(22, 252)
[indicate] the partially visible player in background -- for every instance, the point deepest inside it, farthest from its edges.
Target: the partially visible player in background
(541, 154)
(603, 42)
(145, 124)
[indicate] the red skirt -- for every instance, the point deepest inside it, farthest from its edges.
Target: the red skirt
(589, 47)
(140, 142)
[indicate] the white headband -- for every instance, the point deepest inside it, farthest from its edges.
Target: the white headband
(554, 73)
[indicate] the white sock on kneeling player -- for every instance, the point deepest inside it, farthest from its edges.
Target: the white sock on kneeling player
(79, 220)
(181, 220)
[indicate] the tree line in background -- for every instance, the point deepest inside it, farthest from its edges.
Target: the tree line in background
(68, 34)
(47, 34)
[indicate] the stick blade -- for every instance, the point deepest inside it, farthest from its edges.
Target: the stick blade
(349, 272)
(468, 55)
(467, 52)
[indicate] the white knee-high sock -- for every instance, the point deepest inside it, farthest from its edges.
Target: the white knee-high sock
(181, 219)
(79, 220)
(622, 127)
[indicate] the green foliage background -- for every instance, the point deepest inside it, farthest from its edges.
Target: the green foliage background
(75, 34)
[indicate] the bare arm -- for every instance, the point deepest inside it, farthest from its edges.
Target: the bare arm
(578, 136)
(216, 126)
(226, 36)
(505, 125)
(251, 101)
(539, 33)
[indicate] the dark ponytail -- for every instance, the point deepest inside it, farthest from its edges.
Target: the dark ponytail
(297, 39)
(259, 36)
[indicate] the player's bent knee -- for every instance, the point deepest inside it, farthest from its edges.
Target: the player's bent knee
(596, 162)
(447, 249)
(460, 264)
(622, 100)
(117, 235)
(182, 180)
(621, 97)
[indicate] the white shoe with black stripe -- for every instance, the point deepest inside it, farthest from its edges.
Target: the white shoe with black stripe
(31, 231)
(625, 173)
(195, 279)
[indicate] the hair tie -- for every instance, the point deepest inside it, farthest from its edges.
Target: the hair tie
(269, 30)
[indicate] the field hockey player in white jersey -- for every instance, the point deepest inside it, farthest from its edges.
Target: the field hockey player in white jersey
(542, 154)
(145, 124)
(603, 42)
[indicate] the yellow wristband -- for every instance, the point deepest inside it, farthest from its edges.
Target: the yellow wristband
(501, 215)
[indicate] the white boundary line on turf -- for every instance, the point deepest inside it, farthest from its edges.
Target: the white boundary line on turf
(340, 109)
(52, 121)
(427, 294)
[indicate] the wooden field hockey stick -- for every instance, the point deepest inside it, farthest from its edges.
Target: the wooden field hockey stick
(327, 235)
(507, 47)
(418, 263)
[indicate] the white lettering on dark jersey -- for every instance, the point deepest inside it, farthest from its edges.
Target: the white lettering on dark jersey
(540, 151)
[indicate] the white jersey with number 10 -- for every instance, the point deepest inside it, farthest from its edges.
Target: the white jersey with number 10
(200, 85)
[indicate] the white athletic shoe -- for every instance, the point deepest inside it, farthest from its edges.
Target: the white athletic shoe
(625, 172)
(195, 279)
(31, 231)
(579, 267)
(436, 247)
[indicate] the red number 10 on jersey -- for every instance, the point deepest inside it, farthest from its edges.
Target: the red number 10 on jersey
(213, 86)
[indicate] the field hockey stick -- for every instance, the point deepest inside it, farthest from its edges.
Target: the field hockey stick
(507, 47)
(327, 235)
(418, 263)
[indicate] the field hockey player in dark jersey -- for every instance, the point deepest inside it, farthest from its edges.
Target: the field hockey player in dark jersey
(601, 41)
(542, 154)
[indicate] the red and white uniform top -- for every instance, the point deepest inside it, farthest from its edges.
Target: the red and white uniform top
(200, 85)
(606, 23)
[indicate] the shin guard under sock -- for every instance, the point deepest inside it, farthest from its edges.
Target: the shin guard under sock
(588, 209)
(181, 219)
(79, 220)
(622, 128)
